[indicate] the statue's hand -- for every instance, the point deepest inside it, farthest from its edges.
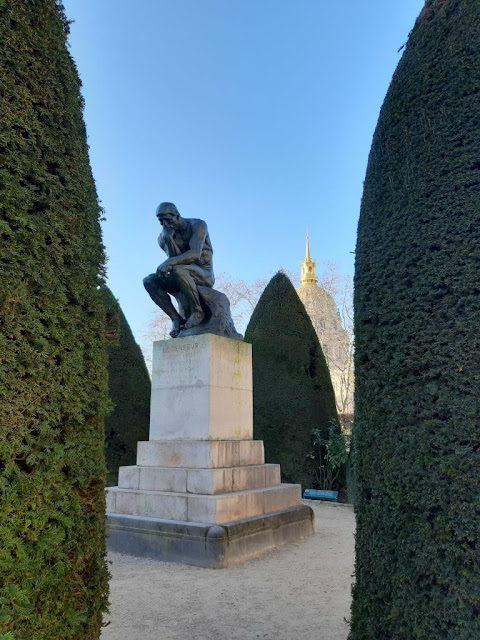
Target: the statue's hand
(164, 269)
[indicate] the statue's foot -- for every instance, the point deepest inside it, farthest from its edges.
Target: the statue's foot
(194, 320)
(177, 325)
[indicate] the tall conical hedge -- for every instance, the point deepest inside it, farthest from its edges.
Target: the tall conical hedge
(417, 302)
(293, 393)
(53, 384)
(129, 392)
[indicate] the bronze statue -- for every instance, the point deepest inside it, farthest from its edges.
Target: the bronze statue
(187, 274)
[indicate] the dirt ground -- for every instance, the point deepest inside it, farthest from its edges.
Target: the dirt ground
(297, 592)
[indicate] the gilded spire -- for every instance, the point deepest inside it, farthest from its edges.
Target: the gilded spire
(307, 274)
(307, 249)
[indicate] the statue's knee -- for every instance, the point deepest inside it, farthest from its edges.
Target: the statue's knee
(149, 282)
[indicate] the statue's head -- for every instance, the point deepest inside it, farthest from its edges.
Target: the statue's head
(167, 214)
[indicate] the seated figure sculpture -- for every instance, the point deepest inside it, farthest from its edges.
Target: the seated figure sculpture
(187, 274)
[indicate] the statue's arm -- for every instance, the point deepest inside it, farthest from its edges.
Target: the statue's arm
(193, 253)
(168, 244)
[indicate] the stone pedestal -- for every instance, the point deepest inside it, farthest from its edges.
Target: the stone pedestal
(201, 389)
(201, 492)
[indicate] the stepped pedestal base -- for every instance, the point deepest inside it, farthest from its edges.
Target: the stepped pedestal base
(207, 545)
(201, 492)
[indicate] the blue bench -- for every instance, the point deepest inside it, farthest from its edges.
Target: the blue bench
(316, 494)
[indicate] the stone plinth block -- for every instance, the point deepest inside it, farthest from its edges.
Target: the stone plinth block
(200, 454)
(201, 389)
(207, 545)
(192, 507)
(204, 481)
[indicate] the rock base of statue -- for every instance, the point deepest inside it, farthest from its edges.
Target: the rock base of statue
(201, 492)
(218, 318)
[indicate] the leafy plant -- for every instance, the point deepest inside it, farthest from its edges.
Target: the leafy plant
(331, 455)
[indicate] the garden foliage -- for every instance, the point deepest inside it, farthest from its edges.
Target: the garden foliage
(417, 365)
(332, 456)
(293, 393)
(53, 382)
(129, 391)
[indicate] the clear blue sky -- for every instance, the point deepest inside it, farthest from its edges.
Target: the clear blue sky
(255, 115)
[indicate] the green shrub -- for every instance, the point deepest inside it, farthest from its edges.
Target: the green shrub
(417, 365)
(332, 455)
(293, 393)
(129, 391)
(53, 383)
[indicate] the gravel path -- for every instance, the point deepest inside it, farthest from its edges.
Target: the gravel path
(297, 592)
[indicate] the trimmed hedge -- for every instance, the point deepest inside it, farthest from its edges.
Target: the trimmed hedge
(129, 391)
(417, 364)
(53, 382)
(293, 393)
